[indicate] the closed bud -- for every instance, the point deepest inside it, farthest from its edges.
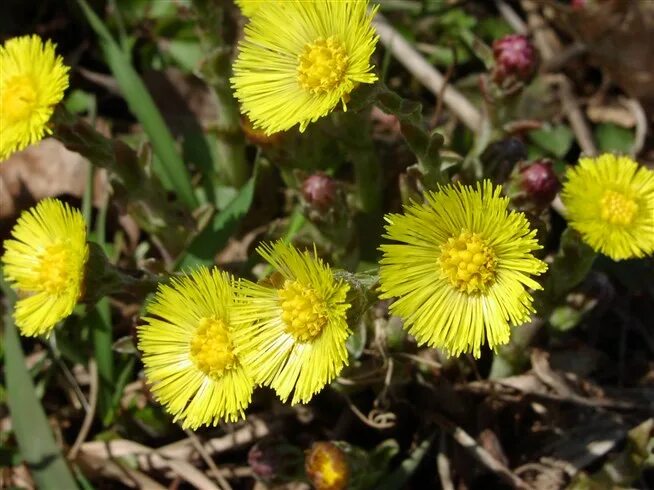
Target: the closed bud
(327, 467)
(539, 181)
(319, 190)
(515, 59)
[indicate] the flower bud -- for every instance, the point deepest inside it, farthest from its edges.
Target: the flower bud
(539, 181)
(327, 467)
(263, 462)
(319, 190)
(515, 58)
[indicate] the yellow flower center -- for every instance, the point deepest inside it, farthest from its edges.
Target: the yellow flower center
(322, 65)
(18, 98)
(303, 312)
(468, 262)
(55, 270)
(617, 208)
(211, 348)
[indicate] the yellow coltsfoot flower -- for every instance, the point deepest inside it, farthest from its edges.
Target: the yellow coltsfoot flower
(248, 7)
(32, 81)
(610, 201)
(300, 58)
(294, 330)
(461, 269)
(188, 350)
(44, 261)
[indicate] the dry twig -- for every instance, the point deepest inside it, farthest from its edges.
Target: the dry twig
(426, 74)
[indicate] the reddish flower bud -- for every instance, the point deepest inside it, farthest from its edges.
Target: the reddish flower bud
(515, 58)
(319, 190)
(577, 4)
(539, 181)
(263, 462)
(327, 467)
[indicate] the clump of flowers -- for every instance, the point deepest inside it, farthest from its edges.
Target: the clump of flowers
(44, 262)
(610, 202)
(188, 350)
(32, 81)
(461, 268)
(299, 77)
(292, 330)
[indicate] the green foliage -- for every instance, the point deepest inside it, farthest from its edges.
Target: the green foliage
(30, 425)
(142, 106)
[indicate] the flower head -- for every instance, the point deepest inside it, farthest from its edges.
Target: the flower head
(539, 181)
(319, 190)
(299, 73)
(610, 201)
(32, 81)
(327, 467)
(515, 57)
(461, 269)
(44, 260)
(294, 332)
(248, 7)
(188, 350)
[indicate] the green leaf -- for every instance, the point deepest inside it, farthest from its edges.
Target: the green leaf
(555, 140)
(398, 479)
(142, 106)
(570, 267)
(203, 248)
(611, 137)
(30, 425)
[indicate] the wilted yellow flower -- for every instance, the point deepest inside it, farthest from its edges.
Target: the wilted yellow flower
(298, 59)
(610, 201)
(32, 81)
(462, 268)
(327, 466)
(44, 261)
(294, 330)
(188, 350)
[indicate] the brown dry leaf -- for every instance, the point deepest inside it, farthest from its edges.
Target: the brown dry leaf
(47, 169)
(619, 36)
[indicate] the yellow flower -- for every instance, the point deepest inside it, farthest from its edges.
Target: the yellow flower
(610, 201)
(45, 261)
(299, 58)
(32, 81)
(248, 7)
(188, 350)
(294, 330)
(461, 269)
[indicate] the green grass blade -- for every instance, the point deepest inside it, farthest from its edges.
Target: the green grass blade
(398, 478)
(142, 106)
(30, 425)
(204, 247)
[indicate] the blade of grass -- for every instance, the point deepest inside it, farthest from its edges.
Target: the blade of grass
(30, 425)
(142, 106)
(399, 478)
(98, 318)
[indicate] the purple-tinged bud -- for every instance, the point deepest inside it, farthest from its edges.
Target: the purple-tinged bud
(578, 4)
(515, 58)
(319, 190)
(539, 181)
(263, 462)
